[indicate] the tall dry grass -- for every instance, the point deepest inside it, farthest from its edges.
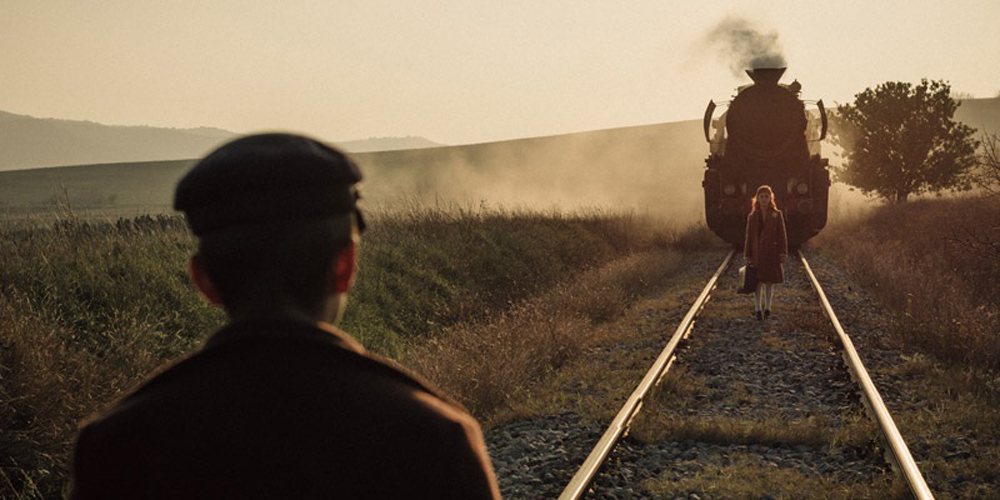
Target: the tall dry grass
(935, 264)
(429, 264)
(88, 308)
(489, 365)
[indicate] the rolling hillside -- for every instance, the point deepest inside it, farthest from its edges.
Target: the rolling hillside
(642, 167)
(29, 142)
(655, 168)
(982, 114)
(116, 188)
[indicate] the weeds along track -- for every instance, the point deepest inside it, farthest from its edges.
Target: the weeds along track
(739, 408)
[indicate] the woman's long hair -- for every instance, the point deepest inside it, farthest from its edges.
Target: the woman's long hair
(761, 190)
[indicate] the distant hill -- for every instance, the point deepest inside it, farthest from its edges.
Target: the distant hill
(656, 168)
(649, 167)
(386, 144)
(983, 114)
(29, 142)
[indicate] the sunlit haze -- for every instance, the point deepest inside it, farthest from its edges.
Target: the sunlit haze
(458, 72)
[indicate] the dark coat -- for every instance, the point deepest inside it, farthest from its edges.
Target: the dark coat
(766, 249)
(281, 409)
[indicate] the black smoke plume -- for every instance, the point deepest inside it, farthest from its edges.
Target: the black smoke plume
(743, 46)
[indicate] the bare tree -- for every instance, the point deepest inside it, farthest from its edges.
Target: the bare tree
(982, 241)
(987, 175)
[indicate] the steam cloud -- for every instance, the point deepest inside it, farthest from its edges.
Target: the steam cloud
(743, 46)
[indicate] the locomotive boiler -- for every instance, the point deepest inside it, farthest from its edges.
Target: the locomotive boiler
(766, 135)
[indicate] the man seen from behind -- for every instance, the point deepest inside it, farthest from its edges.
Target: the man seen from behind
(279, 403)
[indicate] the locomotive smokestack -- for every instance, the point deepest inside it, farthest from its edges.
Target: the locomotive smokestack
(768, 76)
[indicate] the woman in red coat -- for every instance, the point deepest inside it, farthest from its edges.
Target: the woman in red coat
(765, 247)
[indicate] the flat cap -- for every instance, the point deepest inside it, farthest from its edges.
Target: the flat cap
(265, 178)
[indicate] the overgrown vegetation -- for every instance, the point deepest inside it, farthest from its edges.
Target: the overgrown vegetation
(426, 268)
(494, 365)
(89, 309)
(935, 265)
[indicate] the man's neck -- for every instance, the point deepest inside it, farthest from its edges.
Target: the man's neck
(330, 311)
(286, 315)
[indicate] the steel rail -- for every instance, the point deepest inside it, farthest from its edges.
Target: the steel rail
(619, 426)
(899, 454)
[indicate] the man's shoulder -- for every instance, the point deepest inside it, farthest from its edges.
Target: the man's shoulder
(282, 362)
(313, 404)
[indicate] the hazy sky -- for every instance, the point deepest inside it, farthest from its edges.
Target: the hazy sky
(458, 71)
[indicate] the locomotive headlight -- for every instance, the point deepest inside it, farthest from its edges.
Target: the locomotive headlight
(729, 189)
(802, 188)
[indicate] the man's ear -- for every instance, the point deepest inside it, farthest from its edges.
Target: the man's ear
(202, 281)
(345, 267)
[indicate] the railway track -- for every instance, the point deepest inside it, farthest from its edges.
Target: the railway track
(764, 378)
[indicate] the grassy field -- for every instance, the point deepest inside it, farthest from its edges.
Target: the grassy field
(88, 309)
(116, 187)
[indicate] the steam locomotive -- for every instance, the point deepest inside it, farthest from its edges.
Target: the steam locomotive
(768, 135)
